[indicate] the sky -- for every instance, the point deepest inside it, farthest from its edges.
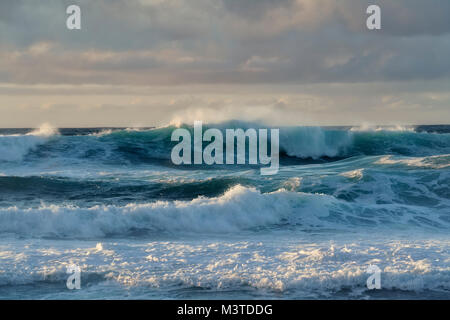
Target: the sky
(283, 62)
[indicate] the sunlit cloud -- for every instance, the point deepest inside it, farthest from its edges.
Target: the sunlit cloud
(289, 61)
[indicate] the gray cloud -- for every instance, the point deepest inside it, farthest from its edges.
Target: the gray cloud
(283, 60)
(224, 41)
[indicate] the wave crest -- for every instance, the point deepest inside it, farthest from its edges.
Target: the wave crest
(15, 147)
(239, 209)
(153, 145)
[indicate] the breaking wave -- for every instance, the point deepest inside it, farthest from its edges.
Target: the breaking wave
(239, 209)
(121, 146)
(16, 146)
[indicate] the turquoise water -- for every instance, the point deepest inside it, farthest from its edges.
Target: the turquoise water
(112, 202)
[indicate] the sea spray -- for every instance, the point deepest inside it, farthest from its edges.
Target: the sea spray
(15, 147)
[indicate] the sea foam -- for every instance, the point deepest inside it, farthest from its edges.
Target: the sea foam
(237, 210)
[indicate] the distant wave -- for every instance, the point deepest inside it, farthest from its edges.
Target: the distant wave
(432, 162)
(15, 147)
(398, 128)
(418, 181)
(123, 146)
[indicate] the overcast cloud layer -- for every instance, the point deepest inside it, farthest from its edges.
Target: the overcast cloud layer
(148, 62)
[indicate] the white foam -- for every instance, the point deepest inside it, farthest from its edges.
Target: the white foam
(353, 174)
(434, 162)
(44, 130)
(373, 128)
(102, 133)
(239, 209)
(269, 266)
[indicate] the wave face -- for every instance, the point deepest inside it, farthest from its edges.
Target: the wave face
(15, 147)
(343, 198)
(124, 146)
(239, 209)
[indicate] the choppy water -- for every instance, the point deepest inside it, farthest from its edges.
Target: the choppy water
(111, 201)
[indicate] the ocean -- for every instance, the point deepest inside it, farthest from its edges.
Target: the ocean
(110, 201)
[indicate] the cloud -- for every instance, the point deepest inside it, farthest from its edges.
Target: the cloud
(223, 41)
(129, 50)
(314, 104)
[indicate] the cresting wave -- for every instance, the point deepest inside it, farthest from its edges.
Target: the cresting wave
(239, 209)
(16, 146)
(121, 146)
